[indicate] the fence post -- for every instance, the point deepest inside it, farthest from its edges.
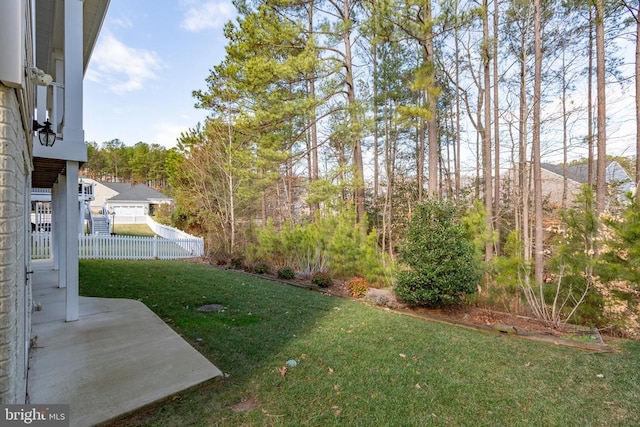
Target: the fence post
(155, 247)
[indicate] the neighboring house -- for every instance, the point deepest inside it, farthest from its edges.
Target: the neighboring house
(616, 177)
(126, 200)
(45, 46)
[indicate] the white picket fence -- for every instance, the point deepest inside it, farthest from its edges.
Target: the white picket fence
(100, 246)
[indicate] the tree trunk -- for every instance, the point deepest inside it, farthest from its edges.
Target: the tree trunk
(637, 17)
(523, 174)
(486, 135)
(590, 162)
(431, 91)
(358, 180)
(376, 142)
(565, 136)
(537, 171)
(457, 80)
(601, 185)
(420, 149)
(314, 132)
(496, 128)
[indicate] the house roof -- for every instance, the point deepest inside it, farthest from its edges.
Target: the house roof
(580, 172)
(140, 192)
(118, 187)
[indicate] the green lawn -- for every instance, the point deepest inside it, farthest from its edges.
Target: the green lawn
(360, 365)
(133, 230)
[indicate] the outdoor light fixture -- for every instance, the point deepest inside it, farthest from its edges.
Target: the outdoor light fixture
(46, 136)
(39, 77)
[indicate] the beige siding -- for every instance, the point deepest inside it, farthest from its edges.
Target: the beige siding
(552, 189)
(101, 192)
(15, 297)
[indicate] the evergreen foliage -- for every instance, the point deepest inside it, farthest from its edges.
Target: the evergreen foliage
(573, 263)
(623, 256)
(286, 273)
(442, 267)
(334, 244)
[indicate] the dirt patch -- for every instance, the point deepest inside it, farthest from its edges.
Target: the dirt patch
(211, 307)
(245, 405)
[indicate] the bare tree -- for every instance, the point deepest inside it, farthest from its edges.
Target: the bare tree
(601, 185)
(537, 171)
(496, 125)
(635, 13)
(486, 134)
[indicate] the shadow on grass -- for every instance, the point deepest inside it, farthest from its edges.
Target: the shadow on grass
(358, 365)
(257, 320)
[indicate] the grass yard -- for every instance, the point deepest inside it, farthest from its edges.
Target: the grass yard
(133, 230)
(359, 365)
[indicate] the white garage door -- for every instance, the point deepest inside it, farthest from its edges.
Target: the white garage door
(129, 210)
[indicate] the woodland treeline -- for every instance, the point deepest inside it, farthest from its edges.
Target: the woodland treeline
(113, 161)
(346, 115)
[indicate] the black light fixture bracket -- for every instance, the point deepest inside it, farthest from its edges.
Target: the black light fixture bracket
(46, 135)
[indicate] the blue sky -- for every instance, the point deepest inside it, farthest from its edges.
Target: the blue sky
(148, 59)
(151, 55)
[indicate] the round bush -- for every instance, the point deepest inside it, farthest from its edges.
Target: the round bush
(439, 255)
(286, 273)
(358, 287)
(237, 263)
(261, 268)
(322, 279)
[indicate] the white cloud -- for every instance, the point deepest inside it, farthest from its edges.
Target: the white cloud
(167, 134)
(121, 67)
(121, 22)
(202, 15)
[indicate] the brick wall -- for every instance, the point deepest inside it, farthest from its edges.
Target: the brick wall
(15, 297)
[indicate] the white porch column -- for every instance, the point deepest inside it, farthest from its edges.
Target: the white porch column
(80, 217)
(73, 134)
(61, 233)
(73, 72)
(71, 237)
(55, 206)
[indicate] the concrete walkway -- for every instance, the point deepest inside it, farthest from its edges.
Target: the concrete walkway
(118, 357)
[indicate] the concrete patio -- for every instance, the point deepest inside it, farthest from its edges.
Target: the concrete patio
(118, 357)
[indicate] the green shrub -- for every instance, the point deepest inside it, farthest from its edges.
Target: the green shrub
(286, 273)
(440, 257)
(261, 268)
(322, 279)
(334, 242)
(358, 287)
(237, 263)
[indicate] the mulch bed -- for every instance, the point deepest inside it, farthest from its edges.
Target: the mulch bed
(465, 316)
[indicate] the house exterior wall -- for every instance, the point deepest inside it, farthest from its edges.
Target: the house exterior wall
(101, 193)
(552, 189)
(15, 296)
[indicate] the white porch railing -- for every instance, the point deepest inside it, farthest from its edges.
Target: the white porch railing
(41, 245)
(100, 246)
